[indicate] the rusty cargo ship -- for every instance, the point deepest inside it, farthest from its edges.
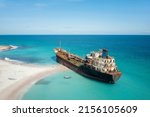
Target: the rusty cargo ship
(96, 65)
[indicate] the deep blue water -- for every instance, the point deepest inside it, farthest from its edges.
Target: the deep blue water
(132, 54)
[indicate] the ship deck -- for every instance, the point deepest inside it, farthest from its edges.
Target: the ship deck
(77, 62)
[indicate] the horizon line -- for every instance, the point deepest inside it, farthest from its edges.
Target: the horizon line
(72, 34)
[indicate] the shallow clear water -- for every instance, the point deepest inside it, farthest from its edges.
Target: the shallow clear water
(132, 54)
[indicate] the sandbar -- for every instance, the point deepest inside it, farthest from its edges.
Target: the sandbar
(16, 78)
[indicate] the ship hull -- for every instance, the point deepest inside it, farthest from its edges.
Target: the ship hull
(89, 73)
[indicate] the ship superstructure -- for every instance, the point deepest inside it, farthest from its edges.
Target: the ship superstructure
(100, 61)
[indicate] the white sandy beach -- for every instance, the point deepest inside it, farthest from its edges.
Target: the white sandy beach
(16, 78)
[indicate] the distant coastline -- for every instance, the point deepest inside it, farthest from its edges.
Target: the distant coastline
(7, 47)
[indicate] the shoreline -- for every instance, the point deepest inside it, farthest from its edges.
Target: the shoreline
(16, 78)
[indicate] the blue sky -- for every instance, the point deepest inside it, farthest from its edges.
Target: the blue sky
(74, 16)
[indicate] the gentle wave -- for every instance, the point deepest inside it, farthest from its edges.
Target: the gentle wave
(13, 47)
(12, 60)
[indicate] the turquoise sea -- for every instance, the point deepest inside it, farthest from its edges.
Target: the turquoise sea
(132, 54)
